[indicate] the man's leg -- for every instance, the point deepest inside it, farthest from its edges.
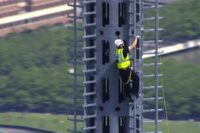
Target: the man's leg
(135, 83)
(127, 90)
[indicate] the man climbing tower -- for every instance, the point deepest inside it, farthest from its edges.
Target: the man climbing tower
(124, 66)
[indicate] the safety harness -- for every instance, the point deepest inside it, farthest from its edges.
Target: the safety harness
(123, 63)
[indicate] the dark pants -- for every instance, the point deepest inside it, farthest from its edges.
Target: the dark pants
(134, 78)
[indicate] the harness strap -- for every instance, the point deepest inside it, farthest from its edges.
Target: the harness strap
(129, 78)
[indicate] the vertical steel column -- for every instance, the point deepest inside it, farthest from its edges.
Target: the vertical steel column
(75, 78)
(75, 61)
(142, 66)
(132, 31)
(105, 107)
(151, 79)
(89, 59)
(112, 109)
(135, 26)
(156, 66)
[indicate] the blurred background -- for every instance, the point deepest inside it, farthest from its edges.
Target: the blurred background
(36, 65)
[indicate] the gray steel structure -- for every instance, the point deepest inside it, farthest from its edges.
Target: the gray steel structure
(75, 60)
(106, 109)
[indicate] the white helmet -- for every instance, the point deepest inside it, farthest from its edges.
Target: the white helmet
(118, 42)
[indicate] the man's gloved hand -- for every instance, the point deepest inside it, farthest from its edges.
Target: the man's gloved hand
(137, 36)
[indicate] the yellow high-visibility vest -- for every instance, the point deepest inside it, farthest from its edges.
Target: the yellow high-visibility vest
(121, 61)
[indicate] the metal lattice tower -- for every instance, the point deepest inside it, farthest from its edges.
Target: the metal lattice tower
(151, 73)
(76, 61)
(106, 110)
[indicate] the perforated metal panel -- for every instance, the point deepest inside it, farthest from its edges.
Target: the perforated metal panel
(106, 109)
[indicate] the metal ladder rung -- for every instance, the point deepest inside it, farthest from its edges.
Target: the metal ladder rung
(89, 36)
(89, 2)
(152, 75)
(148, 3)
(150, 87)
(132, 104)
(89, 24)
(130, 1)
(131, 128)
(89, 71)
(153, 41)
(150, 6)
(89, 13)
(89, 59)
(89, 48)
(132, 13)
(151, 64)
(152, 52)
(72, 5)
(130, 24)
(152, 98)
(89, 128)
(138, 49)
(89, 116)
(152, 30)
(137, 25)
(151, 121)
(138, 129)
(89, 82)
(151, 18)
(89, 105)
(151, 110)
(89, 93)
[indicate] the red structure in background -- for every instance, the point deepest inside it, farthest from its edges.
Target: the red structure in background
(33, 5)
(11, 7)
(17, 16)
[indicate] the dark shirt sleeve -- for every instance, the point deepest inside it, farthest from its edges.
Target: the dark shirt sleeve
(125, 51)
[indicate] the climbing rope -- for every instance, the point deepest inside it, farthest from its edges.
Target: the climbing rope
(164, 100)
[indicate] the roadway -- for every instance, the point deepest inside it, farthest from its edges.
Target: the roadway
(20, 129)
(12, 130)
(174, 48)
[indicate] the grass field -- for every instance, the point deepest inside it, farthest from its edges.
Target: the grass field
(183, 127)
(60, 124)
(57, 123)
(176, 127)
